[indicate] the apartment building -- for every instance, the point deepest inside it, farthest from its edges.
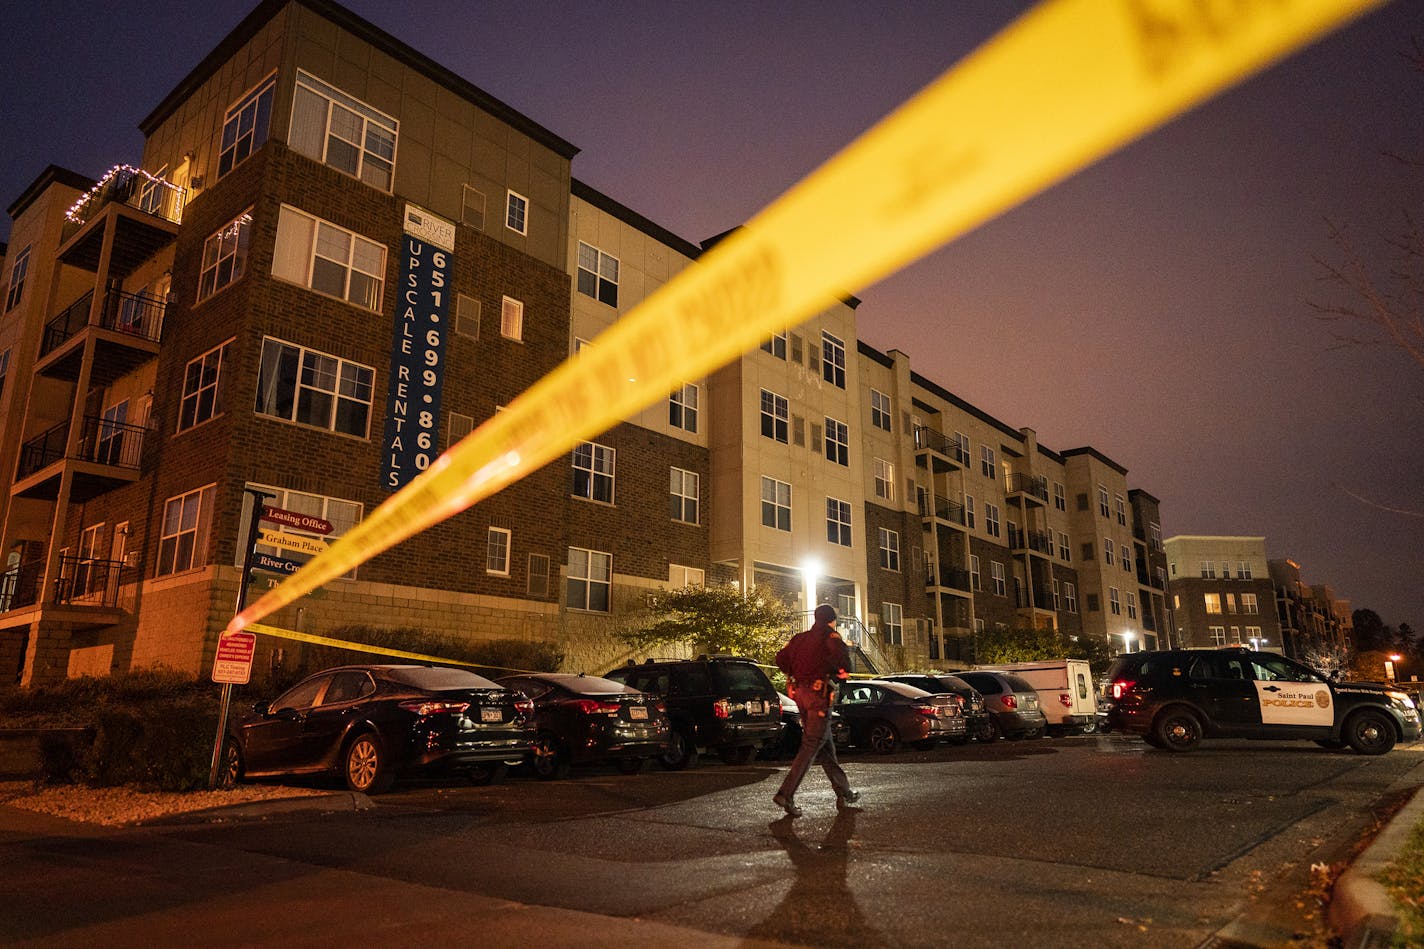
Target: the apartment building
(1311, 616)
(1222, 594)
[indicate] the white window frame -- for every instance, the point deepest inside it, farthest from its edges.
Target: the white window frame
(1065, 549)
(681, 577)
(224, 256)
(775, 415)
(991, 519)
(881, 410)
(516, 212)
(976, 579)
(188, 515)
(1060, 496)
(246, 125)
(1120, 509)
(371, 163)
(1070, 596)
(996, 573)
(589, 570)
(838, 522)
(597, 467)
(1218, 635)
(683, 407)
(499, 549)
(600, 280)
(894, 616)
(1131, 605)
(969, 511)
(884, 473)
(836, 441)
(1103, 508)
(889, 549)
(988, 466)
(775, 502)
(833, 359)
(341, 513)
(683, 495)
(19, 269)
(1212, 603)
(202, 392)
(299, 252)
(775, 345)
(1114, 601)
(1108, 552)
(1249, 603)
(352, 384)
(511, 319)
(1208, 569)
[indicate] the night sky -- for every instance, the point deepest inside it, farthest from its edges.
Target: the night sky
(1155, 306)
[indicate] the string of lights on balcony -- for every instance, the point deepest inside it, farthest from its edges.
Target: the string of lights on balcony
(72, 215)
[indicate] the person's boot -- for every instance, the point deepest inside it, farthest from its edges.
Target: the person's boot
(786, 804)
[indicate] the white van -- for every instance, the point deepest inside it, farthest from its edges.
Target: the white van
(1065, 692)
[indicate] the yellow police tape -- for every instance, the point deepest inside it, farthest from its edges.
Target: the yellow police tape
(292, 634)
(1067, 83)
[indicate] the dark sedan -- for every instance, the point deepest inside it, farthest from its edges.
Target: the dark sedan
(883, 715)
(586, 718)
(370, 723)
(976, 716)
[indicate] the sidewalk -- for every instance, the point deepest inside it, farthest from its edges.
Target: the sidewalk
(1361, 911)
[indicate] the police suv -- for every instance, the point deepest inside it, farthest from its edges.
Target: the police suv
(1175, 698)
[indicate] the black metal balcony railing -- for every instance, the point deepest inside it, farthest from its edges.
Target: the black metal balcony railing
(941, 508)
(1039, 541)
(927, 439)
(137, 314)
(20, 585)
(1032, 485)
(83, 581)
(105, 442)
(956, 578)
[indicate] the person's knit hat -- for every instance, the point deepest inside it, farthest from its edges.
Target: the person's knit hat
(825, 614)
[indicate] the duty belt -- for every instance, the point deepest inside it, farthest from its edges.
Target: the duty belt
(814, 685)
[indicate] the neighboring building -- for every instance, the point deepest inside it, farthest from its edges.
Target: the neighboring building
(337, 259)
(1311, 617)
(1150, 560)
(1221, 593)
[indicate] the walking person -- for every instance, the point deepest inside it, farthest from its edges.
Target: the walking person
(814, 662)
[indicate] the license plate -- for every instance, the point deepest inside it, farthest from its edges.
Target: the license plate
(756, 708)
(491, 715)
(638, 713)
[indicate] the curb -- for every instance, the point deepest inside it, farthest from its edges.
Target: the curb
(1361, 911)
(261, 810)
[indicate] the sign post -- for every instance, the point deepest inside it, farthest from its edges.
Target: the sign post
(231, 646)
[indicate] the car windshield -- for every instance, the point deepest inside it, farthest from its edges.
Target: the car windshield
(743, 675)
(905, 689)
(438, 678)
(1017, 683)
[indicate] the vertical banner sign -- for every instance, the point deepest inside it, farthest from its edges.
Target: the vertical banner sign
(418, 349)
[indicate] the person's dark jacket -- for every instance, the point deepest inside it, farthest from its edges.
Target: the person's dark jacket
(818, 653)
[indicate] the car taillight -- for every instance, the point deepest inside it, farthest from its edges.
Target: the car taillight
(660, 706)
(1121, 687)
(593, 707)
(430, 707)
(1066, 699)
(722, 708)
(523, 706)
(1010, 702)
(929, 710)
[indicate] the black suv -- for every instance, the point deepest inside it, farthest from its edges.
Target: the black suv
(1174, 698)
(724, 704)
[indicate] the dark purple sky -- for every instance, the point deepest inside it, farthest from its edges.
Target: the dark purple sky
(1154, 306)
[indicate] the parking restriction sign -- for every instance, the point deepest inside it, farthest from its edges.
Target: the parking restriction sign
(233, 663)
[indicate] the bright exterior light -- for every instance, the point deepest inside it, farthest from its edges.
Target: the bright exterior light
(1127, 639)
(810, 570)
(1395, 657)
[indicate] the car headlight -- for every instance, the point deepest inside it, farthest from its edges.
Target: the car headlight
(1401, 698)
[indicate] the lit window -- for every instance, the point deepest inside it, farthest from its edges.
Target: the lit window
(593, 472)
(338, 130)
(597, 274)
(511, 319)
(682, 494)
(590, 580)
(311, 388)
(1213, 602)
(225, 255)
(245, 126)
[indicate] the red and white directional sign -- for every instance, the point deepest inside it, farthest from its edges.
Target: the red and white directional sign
(233, 663)
(302, 522)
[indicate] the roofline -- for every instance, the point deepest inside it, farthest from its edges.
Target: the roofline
(1093, 452)
(585, 191)
(1211, 537)
(956, 401)
(1146, 494)
(53, 174)
(267, 10)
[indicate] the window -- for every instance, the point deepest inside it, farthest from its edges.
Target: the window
(775, 345)
(996, 571)
(311, 388)
(991, 519)
(457, 426)
(837, 442)
(1070, 596)
(1114, 601)
(1218, 635)
(497, 543)
(1226, 570)
(833, 360)
(597, 274)
(343, 132)
(1253, 633)
(682, 408)
(511, 318)
(1231, 602)
(590, 579)
(976, 581)
(4, 369)
(1131, 605)
(1208, 570)
(969, 511)
(1243, 570)
(838, 522)
(889, 549)
(884, 480)
(1057, 594)
(961, 449)
(894, 617)
(987, 465)
(775, 504)
(183, 538)
(331, 260)
(538, 584)
(880, 410)
(1107, 552)
(245, 126)
(1065, 552)
(683, 495)
(1127, 555)
(775, 412)
(225, 255)
(1213, 602)
(593, 472)
(1060, 499)
(516, 213)
(1155, 536)
(343, 515)
(680, 576)
(18, 269)
(467, 316)
(1120, 509)
(201, 388)
(1103, 502)
(1249, 604)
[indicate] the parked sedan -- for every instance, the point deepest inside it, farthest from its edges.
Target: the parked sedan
(1011, 701)
(976, 717)
(789, 742)
(882, 715)
(585, 719)
(370, 723)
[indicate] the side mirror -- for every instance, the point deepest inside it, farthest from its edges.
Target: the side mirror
(260, 709)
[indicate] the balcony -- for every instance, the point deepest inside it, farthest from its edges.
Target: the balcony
(81, 582)
(1037, 541)
(942, 509)
(125, 333)
(947, 578)
(109, 455)
(1022, 487)
(142, 211)
(938, 452)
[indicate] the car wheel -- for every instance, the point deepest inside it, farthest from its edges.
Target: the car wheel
(231, 772)
(631, 765)
(1089, 728)
(491, 773)
(992, 731)
(1178, 729)
(364, 765)
(681, 752)
(549, 760)
(883, 738)
(1369, 732)
(926, 744)
(742, 754)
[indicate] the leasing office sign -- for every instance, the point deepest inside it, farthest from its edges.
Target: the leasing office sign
(418, 350)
